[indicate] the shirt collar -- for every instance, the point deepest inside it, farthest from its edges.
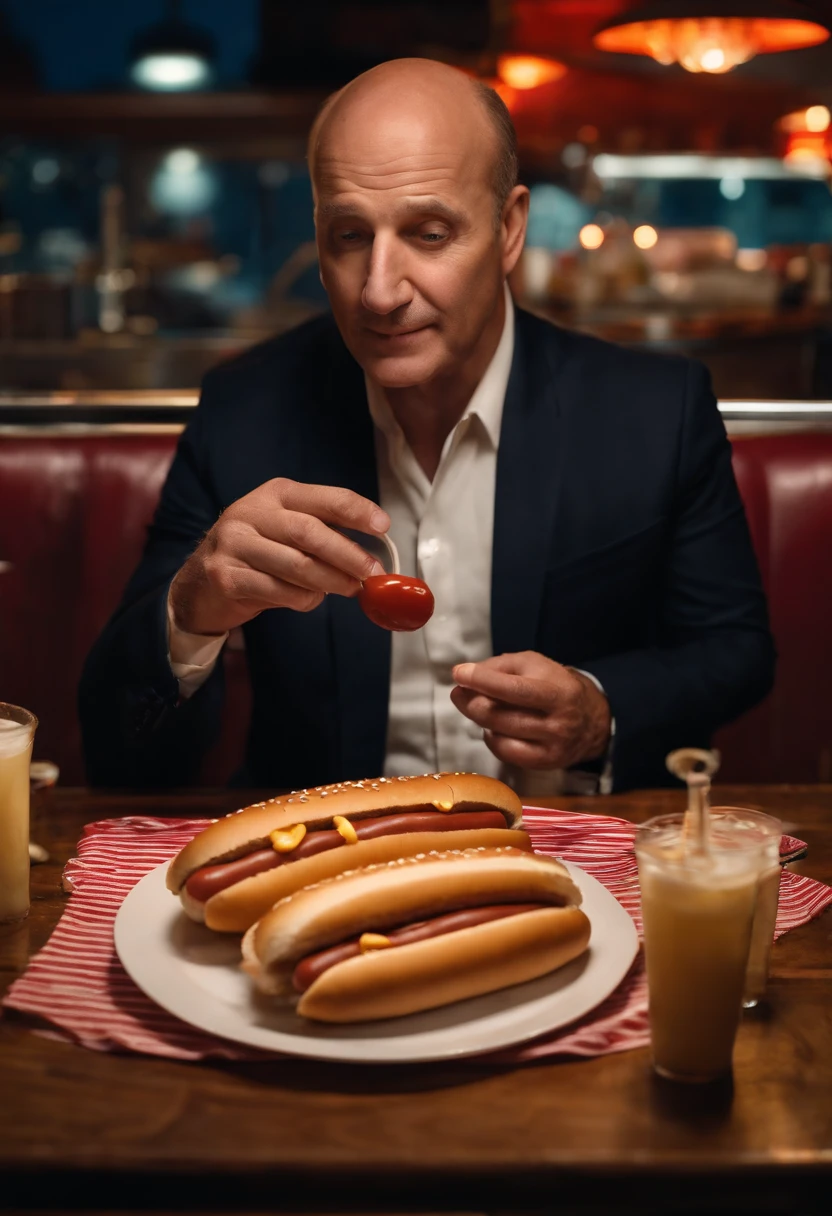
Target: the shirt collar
(488, 398)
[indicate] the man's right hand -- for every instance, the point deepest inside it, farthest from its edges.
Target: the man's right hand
(273, 548)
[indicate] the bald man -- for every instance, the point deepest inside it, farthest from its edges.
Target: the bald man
(570, 503)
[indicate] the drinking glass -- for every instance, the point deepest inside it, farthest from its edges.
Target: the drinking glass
(17, 732)
(769, 830)
(698, 910)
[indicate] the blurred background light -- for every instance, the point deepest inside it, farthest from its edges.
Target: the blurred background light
(666, 166)
(182, 161)
(751, 259)
(172, 56)
(45, 171)
(591, 236)
(817, 118)
(170, 71)
(732, 188)
(182, 185)
(701, 37)
(528, 71)
(645, 236)
(574, 155)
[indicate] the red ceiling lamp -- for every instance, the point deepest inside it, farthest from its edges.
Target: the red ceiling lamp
(806, 135)
(528, 71)
(711, 35)
(517, 68)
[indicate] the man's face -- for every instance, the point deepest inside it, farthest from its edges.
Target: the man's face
(410, 254)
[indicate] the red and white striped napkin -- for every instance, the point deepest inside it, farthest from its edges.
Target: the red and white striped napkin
(77, 984)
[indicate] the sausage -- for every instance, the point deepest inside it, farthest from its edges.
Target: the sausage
(313, 966)
(211, 879)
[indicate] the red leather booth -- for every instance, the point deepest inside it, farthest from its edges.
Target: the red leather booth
(73, 513)
(786, 484)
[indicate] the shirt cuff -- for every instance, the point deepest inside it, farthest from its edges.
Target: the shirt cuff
(605, 777)
(192, 656)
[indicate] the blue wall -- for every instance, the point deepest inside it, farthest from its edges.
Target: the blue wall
(84, 44)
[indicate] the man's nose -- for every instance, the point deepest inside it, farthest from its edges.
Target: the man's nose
(387, 286)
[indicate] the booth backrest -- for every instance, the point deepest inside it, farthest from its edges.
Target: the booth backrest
(786, 484)
(74, 510)
(73, 514)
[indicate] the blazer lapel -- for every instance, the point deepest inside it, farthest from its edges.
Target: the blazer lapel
(341, 452)
(529, 476)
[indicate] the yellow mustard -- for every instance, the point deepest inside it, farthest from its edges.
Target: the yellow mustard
(285, 839)
(373, 941)
(345, 829)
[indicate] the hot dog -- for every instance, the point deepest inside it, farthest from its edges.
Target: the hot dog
(239, 866)
(416, 933)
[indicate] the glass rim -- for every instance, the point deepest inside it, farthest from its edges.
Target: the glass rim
(649, 841)
(24, 718)
(763, 818)
(769, 824)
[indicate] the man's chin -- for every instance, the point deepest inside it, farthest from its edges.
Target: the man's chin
(399, 371)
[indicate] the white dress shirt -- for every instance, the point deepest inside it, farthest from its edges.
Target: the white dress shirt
(443, 532)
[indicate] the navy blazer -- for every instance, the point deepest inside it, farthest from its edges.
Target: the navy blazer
(620, 547)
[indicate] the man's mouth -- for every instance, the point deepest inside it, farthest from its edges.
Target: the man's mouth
(399, 333)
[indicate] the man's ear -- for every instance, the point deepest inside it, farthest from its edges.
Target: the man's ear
(513, 225)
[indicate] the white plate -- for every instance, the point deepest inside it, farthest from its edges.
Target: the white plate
(194, 974)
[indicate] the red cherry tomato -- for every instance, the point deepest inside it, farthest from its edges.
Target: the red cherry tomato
(394, 601)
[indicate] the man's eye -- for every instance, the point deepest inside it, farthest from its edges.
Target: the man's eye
(433, 238)
(349, 237)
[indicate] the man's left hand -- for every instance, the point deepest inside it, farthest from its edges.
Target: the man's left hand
(534, 712)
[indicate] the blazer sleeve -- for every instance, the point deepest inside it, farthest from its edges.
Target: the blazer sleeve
(714, 656)
(134, 730)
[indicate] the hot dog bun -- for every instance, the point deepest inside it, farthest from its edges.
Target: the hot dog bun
(239, 906)
(425, 974)
(470, 962)
(248, 830)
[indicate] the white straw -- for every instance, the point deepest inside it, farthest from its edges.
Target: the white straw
(695, 767)
(394, 553)
(698, 812)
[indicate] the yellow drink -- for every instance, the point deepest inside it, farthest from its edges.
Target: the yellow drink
(762, 936)
(17, 728)
(698, 913)
(768, 831)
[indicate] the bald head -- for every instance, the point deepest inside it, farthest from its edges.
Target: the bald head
(439, 95)
(407, 166)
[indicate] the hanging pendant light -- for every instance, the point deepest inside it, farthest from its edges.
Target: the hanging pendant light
(173, 56)
(517, 68)
(528, 71)
(711, 35)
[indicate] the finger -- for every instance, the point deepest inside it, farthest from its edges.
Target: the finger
(505, 720)
(516, 662)
(301, 545)
(520, 752)
(295, 567)
(522, 690)
(332, 504)
(258, 591)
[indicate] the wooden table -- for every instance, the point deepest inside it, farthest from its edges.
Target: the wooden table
(88, 1131)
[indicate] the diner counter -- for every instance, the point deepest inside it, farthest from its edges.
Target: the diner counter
(748, 351)
(132, 407)
(88, 1130)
